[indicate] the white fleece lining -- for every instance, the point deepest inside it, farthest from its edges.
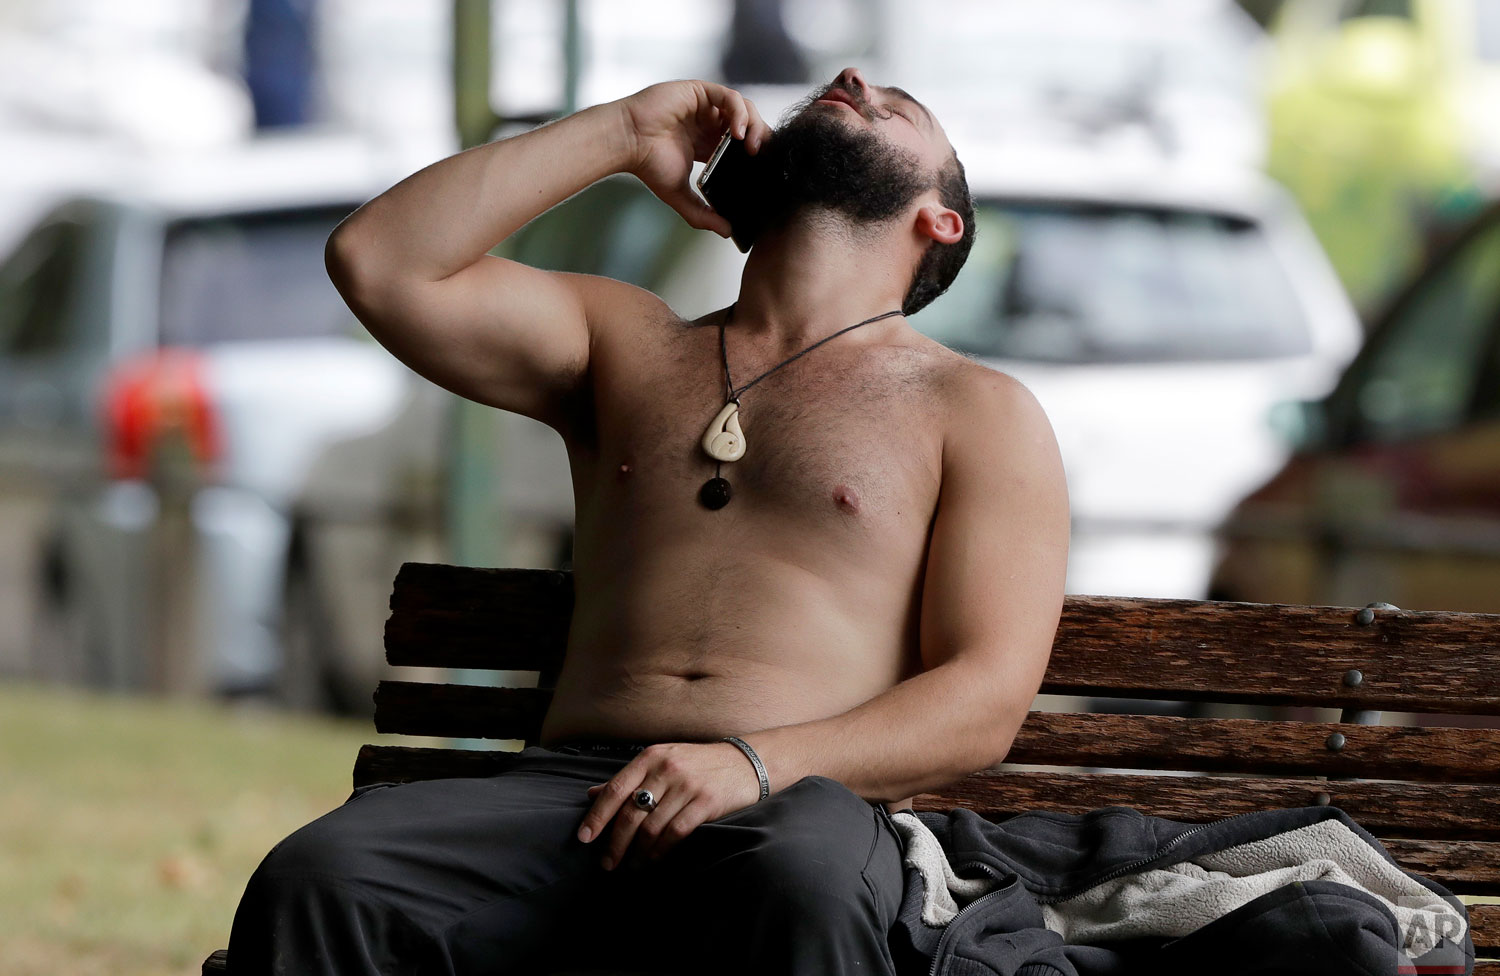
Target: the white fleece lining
(944, 890)
(1174, 901)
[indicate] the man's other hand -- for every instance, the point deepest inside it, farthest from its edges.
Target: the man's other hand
(693, 783)
(677, 123)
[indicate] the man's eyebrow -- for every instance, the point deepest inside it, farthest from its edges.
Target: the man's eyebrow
(905, 95)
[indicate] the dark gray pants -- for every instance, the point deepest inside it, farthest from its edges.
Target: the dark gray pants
(471, 876)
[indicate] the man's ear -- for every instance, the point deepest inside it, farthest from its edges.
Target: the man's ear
(939, 223)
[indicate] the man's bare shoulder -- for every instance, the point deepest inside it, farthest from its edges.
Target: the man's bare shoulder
(977, 394)
(618, 306)
(992, 415)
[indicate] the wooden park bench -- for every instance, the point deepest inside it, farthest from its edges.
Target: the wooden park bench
(1431, 794)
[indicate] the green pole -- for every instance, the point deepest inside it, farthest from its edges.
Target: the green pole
(475, 520)
(572, 57)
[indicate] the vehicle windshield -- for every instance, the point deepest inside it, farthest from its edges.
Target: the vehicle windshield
(1071, 283)
(1487, 32)
(251, 276)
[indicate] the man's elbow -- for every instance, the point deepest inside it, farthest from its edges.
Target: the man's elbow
(995, 708)
(1000, 742)
(371, 292)
(343, 259)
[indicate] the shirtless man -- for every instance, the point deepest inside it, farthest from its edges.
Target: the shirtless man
(871, 612)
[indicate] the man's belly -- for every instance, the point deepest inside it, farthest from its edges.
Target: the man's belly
(695, 651)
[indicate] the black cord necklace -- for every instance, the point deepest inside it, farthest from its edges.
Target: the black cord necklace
(724, 441)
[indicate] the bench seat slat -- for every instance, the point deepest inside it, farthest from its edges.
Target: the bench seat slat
(1484, 924)
(516, 619)
(1470, 867)
(459, 711)
(1459, 811)
(409, 764)
(1053, 738)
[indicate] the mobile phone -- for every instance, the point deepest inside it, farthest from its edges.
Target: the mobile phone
(735, 187)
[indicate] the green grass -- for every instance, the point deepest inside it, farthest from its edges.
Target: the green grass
(129, 826)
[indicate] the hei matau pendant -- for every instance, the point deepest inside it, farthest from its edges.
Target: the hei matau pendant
(723, 440)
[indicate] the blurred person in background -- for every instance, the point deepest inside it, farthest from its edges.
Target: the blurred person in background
(841, 594)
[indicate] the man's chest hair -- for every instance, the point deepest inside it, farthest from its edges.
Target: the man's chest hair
(868, 419)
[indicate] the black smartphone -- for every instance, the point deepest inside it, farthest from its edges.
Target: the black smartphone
(735, 186)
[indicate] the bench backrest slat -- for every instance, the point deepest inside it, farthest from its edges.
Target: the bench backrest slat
(516, 619)
(1460, 811)
(1053, 738)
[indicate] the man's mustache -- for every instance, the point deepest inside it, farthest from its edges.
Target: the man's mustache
(860, 105)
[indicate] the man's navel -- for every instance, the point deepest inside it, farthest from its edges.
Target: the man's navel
(846, 498)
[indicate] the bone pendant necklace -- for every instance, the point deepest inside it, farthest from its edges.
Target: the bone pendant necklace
(724, 441)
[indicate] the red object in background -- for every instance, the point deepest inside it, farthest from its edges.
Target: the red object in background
(151, 398)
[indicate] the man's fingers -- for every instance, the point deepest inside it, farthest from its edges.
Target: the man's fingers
(626, 823)
(732, 107)
(739, 115)
(608, 801)
(697, 213)
(692, 816)
(648, 835)
(758, 132)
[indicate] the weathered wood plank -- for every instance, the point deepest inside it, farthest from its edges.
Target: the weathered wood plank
(460, 711)
(1457, 811)
(1054, 738)
(1468, 867)
(449, 616)
(533, 592)
(1484, 928)
(462, 617)
(1253, 746)
(1277, 653)
(409, 764)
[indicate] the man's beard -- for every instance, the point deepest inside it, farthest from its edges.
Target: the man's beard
(827, 164)
(817, 163)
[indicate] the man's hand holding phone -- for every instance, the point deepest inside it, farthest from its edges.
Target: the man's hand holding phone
(677, 123)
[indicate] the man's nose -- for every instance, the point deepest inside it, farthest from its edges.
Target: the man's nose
(851, 79)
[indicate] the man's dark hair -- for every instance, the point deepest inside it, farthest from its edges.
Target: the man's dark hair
(940, 262)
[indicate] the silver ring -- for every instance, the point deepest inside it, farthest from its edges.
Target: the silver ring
(645, 799)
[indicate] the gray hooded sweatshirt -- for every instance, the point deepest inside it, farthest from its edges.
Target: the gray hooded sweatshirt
(1113, 891)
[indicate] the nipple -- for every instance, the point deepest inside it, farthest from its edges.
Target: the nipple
(846, 497)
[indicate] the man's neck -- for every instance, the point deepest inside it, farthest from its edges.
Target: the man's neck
(813, 276)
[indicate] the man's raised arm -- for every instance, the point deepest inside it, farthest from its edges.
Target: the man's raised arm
(413, 263)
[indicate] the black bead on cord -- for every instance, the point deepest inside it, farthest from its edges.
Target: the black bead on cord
(716, 491)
